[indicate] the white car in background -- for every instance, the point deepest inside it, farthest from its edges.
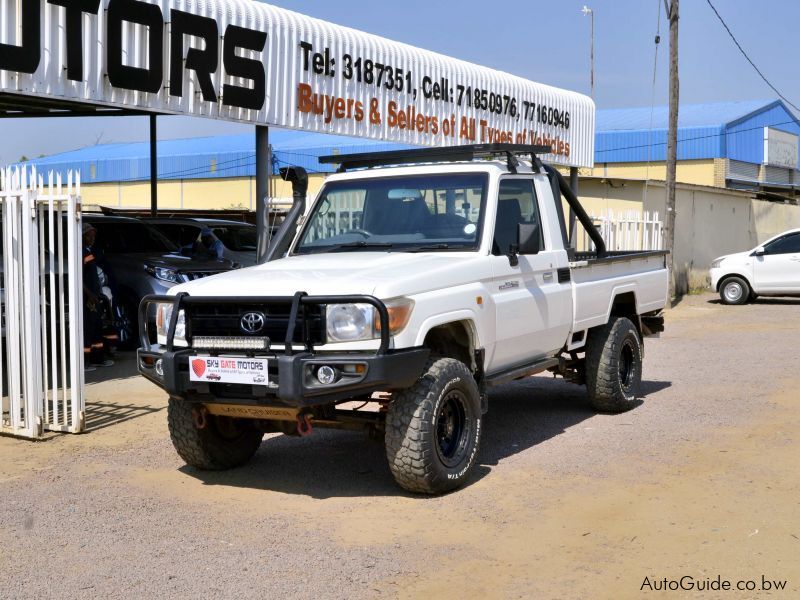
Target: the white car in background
(771, 269)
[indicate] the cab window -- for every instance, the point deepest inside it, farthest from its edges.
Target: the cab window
(516, 203)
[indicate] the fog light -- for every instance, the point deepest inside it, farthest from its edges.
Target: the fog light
(326, 375)
(160, 367)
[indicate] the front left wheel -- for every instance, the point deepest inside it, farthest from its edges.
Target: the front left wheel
(433, 429)
(735, 290)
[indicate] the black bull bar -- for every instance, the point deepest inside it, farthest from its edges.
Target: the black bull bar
(299, 301)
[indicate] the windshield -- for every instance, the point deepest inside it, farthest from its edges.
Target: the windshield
(239, 238)
(117, 237)
(430, 212)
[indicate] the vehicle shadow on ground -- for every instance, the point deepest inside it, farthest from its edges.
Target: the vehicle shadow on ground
(527, 413)
(100, 415)
(124, 367)
(762, 300)
(347, 464)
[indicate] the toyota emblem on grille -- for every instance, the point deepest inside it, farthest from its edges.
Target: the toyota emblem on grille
(252, 322)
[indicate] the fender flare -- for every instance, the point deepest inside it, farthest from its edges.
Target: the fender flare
(467, 317)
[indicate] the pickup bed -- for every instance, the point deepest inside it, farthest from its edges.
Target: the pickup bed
(413, 283)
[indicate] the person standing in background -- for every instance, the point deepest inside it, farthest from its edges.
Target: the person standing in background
(94, 343)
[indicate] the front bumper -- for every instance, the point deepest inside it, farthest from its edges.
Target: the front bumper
(715, 274)
(292, 379)
(293, 383)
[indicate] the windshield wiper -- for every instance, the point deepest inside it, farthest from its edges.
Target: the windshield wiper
(349, 246)
(441, 246)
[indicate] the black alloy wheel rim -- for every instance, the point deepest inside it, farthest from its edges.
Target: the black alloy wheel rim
(124, 324)
(627, 365)
(452, 429)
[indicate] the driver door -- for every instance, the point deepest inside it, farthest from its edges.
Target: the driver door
(777, 271)
(533, 309)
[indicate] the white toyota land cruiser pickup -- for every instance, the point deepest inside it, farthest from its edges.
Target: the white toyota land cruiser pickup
(416, 281)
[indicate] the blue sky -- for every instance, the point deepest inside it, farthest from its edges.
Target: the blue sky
(545, 41)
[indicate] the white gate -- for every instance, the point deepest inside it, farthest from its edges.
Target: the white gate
(41, 371)
(626, 230)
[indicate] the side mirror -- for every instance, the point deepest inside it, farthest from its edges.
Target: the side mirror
(759, 251)
(529, 238)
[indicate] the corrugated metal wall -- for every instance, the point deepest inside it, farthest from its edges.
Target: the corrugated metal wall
(745, 138)
(741, 140)
(651, 145)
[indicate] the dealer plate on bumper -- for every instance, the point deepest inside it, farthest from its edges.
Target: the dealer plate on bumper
(228, 369)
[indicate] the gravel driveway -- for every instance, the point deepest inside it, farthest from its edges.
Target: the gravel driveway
(700, 480)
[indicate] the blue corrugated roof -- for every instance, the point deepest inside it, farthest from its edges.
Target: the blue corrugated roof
(721, 130)
(733, 130)
(207, 157)
(689, 115)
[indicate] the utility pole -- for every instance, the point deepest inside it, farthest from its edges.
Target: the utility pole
(590, 13)
(153, 167)
(672, 140)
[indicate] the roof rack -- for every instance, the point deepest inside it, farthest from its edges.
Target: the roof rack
(448, 154)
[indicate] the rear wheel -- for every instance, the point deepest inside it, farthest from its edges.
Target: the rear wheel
(433, 429)
(734, 290)
(210, 442)
(614, 365)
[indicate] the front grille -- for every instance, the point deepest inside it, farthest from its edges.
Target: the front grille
(225, 320)
(186, 276)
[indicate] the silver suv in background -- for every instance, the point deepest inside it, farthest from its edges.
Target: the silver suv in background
(141, 261)
(239, 240)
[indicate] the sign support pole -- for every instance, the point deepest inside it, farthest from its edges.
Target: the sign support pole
(262, 190)
(153, 167)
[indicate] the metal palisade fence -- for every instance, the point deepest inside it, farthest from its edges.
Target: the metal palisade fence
(41, 371)
(625, 231)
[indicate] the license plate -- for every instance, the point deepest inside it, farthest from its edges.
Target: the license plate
(212, 369)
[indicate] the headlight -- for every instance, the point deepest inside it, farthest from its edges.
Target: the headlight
(357, 322)
(715, 264)
(350, 322)
(163, 273)
(163, 316)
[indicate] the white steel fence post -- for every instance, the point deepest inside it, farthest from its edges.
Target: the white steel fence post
(42, 299)
(75, 307)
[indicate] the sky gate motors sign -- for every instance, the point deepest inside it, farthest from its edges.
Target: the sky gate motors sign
(254, 63)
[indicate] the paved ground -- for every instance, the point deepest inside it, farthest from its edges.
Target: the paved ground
(700, 480)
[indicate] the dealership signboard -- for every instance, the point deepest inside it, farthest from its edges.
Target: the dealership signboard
(250, 62)
(780, 148)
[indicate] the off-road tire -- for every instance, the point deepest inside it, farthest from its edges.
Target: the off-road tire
(433, 429)
(223, 443)
(614, 365)
(734, 290)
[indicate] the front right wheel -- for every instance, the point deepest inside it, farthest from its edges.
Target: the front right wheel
(433, 429)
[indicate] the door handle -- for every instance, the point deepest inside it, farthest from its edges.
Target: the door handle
(795, 258)
(548, 276)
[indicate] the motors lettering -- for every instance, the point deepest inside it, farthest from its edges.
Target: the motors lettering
(235, 364)
(204, 60)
